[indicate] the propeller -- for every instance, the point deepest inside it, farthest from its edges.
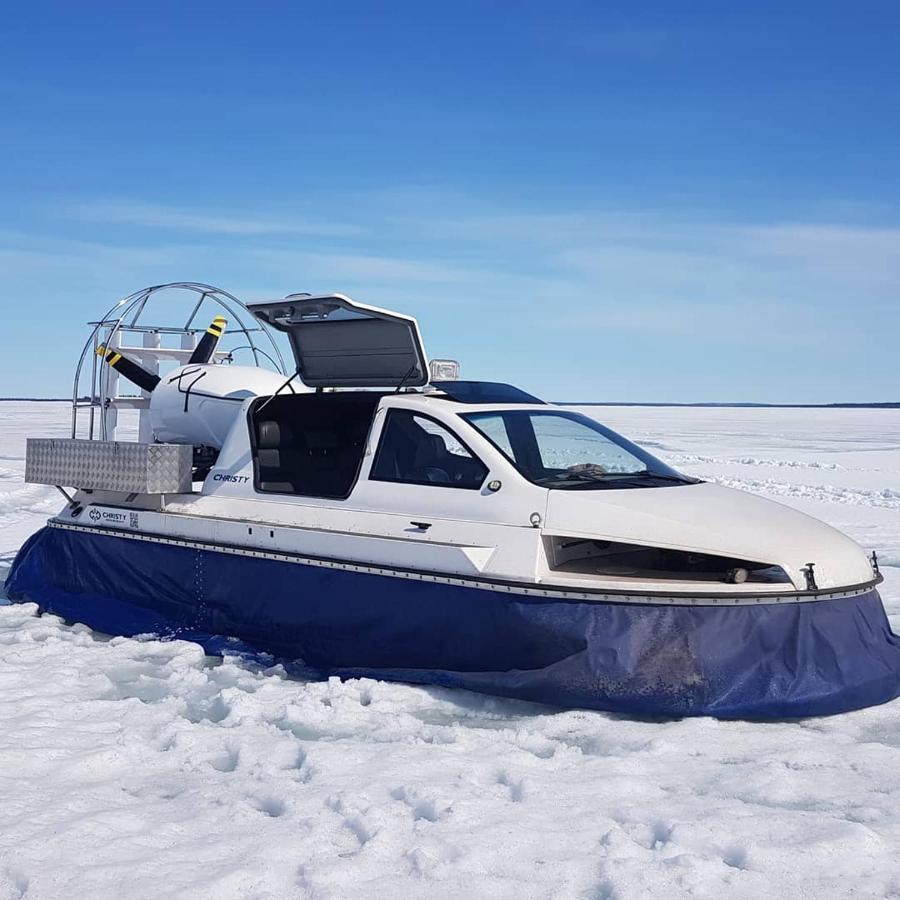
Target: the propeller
(147, 381)
(128, 368)
(204, 350)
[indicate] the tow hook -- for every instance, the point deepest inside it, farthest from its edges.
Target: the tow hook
(809, 572)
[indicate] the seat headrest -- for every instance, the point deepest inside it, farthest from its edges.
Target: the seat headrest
(272, 435)
(429, 450)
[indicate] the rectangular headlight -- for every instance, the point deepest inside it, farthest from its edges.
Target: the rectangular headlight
(443, 370)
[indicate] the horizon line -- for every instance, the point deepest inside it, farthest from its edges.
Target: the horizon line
(701, 404)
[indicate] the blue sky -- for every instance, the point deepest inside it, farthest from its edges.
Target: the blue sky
(597, 201)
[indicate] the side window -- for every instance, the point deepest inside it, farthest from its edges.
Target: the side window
(494, 427)
(417, 450)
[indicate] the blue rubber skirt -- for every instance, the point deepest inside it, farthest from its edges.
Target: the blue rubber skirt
(757, 662)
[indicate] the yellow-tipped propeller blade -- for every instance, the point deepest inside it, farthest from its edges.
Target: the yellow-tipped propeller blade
(207, 346)
(129, 369)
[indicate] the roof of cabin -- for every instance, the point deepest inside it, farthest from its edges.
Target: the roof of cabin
(484, 392)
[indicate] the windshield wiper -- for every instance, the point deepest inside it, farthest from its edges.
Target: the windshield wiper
(661, 476)
(608, 479)
(563, 477)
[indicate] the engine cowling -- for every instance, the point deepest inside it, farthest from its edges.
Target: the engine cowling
(198, 404)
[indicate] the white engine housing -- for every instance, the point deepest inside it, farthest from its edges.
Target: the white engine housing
(198, 404)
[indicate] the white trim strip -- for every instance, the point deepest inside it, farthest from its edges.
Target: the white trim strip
(528, 590)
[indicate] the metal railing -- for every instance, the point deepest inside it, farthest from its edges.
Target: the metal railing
(97, 392)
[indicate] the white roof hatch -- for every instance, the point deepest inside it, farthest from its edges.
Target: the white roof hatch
(340, 343)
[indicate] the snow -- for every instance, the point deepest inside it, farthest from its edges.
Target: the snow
(144, 769)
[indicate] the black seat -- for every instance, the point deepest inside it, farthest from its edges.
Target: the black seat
(430, 460)
(313, 444)
(273, 456)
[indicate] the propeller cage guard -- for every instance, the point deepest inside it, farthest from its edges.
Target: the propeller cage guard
(133, 328)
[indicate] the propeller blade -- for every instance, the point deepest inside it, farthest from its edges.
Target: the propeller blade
(129, 369)
(207, 346)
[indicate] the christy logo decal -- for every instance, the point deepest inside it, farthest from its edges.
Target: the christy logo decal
(238, 479)
(107, 517)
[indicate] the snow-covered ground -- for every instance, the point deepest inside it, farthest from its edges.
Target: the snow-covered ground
(143, 769)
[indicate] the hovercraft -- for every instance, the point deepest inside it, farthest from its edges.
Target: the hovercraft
(366, 513)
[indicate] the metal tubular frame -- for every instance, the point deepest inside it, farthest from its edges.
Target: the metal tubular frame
(98, 395)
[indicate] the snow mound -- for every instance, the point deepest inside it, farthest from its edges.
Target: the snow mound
(829, 493)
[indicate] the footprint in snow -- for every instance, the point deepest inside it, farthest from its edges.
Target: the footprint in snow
(735, 857)
(227, 761)
(426, 808)
(353, 819)
(303, 771)
(661, 834)
(516, 786)
(270, 805)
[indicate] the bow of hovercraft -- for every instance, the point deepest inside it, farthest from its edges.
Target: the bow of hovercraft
(721, 603)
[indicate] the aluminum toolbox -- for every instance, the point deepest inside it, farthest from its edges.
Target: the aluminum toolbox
(124, 466)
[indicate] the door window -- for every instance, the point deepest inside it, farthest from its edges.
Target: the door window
(416, 449)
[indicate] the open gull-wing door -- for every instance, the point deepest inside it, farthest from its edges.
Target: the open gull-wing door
(340, 343)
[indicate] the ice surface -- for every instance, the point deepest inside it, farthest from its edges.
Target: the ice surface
(144, 769)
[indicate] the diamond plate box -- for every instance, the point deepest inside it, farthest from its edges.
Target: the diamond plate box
(109, 465)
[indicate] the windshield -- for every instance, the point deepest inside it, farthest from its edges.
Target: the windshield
(569, 450)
